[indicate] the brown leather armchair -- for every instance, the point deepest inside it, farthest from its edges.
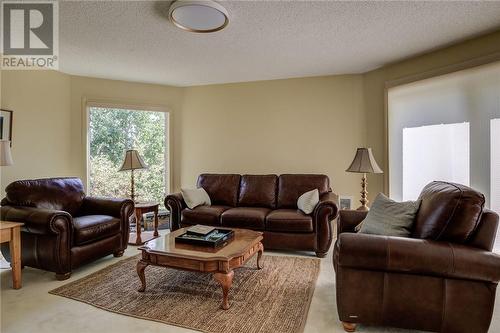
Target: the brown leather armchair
(443, 279)
(64, 228)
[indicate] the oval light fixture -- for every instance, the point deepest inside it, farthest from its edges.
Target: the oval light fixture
(198, 15)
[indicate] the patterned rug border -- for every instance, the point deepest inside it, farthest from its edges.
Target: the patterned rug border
(305, 314)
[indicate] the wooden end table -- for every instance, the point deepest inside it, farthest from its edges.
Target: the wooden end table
(11, 232)
(139, 238)
(165, 252)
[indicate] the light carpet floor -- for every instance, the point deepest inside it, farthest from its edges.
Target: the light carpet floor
(33, 309)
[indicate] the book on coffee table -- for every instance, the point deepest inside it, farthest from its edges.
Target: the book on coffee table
(199, 230)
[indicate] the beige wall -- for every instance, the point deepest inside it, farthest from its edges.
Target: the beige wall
(41, 132)
(49, 119)
(308, 125)
(295, 125)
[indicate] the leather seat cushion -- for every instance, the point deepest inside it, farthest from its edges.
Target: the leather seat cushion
(245, 217)
(221, 188)
(64, 194)
(289, 220)
(291, 187)
(90, 228)
(448, 212)
(258, 191)
(207, 215)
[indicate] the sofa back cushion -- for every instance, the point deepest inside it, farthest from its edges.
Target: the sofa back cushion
(221, 188)
(448, 212)
(64, 194)
(258, 191)
(291, 187)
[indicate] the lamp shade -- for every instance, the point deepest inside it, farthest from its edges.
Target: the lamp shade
(5, 155)
(364, 162)
(132, 161)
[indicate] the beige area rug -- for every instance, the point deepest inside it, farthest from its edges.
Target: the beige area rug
(275, 299)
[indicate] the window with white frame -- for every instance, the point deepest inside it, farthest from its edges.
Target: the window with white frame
(111, 132)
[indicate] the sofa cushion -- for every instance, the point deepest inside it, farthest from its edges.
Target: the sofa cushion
(245, 217)
(390, 218)
(291, 187)
(221, 188)
(448, 212)
(194, 197)
(64, 194)
(289, 220)
(207, 215)
(90, 228)
(308, 201)
(258, 191)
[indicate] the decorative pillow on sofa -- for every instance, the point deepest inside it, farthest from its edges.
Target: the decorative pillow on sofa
(307, 201)
(390, 218)
(195, 197)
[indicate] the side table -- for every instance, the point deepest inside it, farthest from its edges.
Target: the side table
(11, 232)
(139, 238)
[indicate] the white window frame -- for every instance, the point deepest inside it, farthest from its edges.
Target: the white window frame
(88, 103)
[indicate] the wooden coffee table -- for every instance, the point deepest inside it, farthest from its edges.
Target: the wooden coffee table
(221, 262)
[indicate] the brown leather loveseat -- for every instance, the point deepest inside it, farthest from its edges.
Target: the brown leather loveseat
(443, 279)
(267, 203)
(64, 228)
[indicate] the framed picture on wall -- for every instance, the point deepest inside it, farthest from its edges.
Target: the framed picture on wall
(6, 125)
(345, 202)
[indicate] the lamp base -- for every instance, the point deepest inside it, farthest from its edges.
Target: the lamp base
(364, 195)
(363, 208)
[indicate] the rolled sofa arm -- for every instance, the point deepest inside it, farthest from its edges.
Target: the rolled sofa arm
(38, 221)
(175, 204)
(107, 206)
(349, 219)
(417, 256)
(324, 212)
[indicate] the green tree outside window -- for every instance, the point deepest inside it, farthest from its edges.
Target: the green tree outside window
(113, 131)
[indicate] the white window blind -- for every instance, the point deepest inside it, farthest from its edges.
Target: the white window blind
(427, 134)
(495, 172)
(435, 152)
(495, 165)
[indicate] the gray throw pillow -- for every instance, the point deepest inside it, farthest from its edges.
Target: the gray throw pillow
(390, 218)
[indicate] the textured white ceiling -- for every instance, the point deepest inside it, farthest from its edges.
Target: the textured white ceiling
(134, 41)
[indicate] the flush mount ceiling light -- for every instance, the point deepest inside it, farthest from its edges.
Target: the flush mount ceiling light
(198, 15)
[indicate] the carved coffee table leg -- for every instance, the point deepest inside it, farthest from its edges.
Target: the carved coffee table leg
(225, 280)
(141, 266)
(259, 255)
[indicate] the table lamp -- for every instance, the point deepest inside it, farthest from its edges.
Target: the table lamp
(5, 155)
(132, 162)
(364, 163)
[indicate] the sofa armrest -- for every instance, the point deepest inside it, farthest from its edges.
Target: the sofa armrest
(175, 204)
(38, 221)
(107, 206)
(330, 201)
(417, 256)
(324, 212)
(349, 219)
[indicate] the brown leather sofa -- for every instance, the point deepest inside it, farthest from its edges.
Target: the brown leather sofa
(443, 279)
(64, 228)
(267, 203)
